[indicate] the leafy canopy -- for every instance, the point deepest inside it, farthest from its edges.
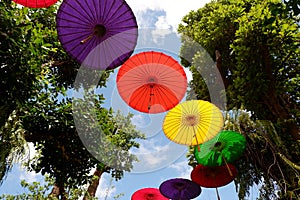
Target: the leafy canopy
(255, 46)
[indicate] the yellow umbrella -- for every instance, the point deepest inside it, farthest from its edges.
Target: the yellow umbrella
(193, 122)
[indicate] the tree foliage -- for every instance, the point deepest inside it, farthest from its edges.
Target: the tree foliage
(256, 48)
(36, 190)
(37, 77)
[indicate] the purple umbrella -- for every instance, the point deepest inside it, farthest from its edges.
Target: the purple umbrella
(180, 189)
(100, 34)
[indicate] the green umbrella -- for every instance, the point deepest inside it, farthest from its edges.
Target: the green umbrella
(224, 148)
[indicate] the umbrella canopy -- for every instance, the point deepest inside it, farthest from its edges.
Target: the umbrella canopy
(180, 189)
(148, 194)
(225, 147)
(193, 122)
(151, 82)
(36, 3)
(99, 34)
(213, 177)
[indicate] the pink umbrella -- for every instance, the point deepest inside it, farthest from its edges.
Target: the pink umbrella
(36, 3)
(148, 194)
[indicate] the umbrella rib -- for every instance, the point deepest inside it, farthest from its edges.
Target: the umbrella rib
(92, 16)
(112, 14)
(118, 49)
(82, 22)
(147, 67)
(144, 69)
(84, 9)
(101, 12)
(87, 47)
(161, 89)
(195, 136)
(172, 135)
(119, 46)
(94, 12)
(106, 11)
(118, 20)
(108, 55)
(138, 98)
(76, 11)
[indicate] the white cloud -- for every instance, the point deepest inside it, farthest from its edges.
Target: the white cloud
(162, 23)
(182, 169)
(148, 124)
(138, 120)
(188, 73)
(32, 151)
(175, 9)
(105, 190)
(153, 155)
(28, 176)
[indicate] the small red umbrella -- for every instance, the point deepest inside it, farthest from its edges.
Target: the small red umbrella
(36, 3)
(213, 176)
(151, 82)
(148, 194)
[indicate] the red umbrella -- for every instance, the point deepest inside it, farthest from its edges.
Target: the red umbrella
(213, 176)
(151, 82)
(148, 194)
(36, 3)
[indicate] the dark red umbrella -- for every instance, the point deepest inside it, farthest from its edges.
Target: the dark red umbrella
(100, 34)
(36, 3)
(213, 176)
(151, 82)
(180, 189)
(148, 194)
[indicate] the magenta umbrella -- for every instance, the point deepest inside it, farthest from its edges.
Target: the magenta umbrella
(148, 194)
(100, 34)
(180, 189)
(36, 3)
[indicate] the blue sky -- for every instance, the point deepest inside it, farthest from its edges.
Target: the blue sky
(160, 158)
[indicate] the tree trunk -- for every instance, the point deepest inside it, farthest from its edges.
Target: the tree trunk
(58, 191)
(273, 101)
(91, 191)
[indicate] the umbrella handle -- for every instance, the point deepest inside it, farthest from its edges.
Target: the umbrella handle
(86, 39)
(151, 94)
(218, 194)
(229, 170)
(198, 148)
(196, 139)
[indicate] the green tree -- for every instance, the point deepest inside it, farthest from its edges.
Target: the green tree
(255, 46)
(29, 47)
(50, 125)
(38, 191)
(36, 75)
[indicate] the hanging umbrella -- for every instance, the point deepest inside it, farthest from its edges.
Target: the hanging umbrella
(99, 34)
(151, 82)
(193, 122)
(36, 3)
(180, 189)
(213, 177)
(148, 194)
(224, 148)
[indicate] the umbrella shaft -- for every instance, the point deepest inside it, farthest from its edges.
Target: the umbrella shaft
(229, 170)
(218, 194)
(86, 39)
(151, 94)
